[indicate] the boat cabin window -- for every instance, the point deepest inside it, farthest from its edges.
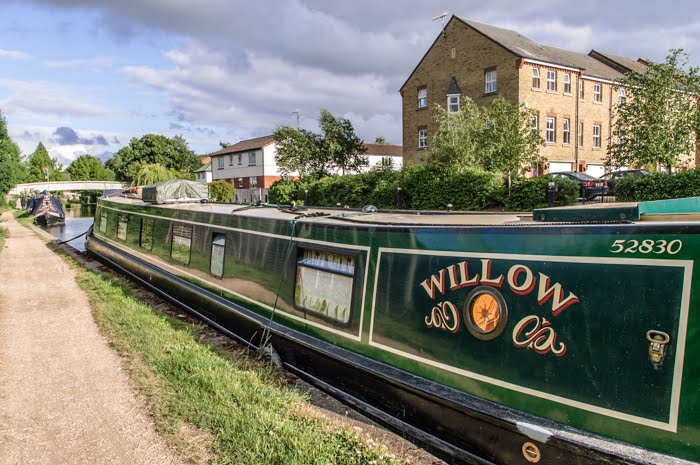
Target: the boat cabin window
(121, 226)
(146, 240)
(103, 222)
(218, 246)
(324, 283)
(181, 243)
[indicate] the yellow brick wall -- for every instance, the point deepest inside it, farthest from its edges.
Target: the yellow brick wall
(473, 54)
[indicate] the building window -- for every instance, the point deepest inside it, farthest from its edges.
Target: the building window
(251, 159)
(423, 97)
(566, 133)
(122, 226)
(240, 183)
(567, 83)
(597, 93)
(596, 136)
(240, 158)
(535, 78)
(181, 243)
(551, 80)
(551, 132)
(453, 52)
(453, 103)
(422, 138)
(324, 284)
(218, 247)
(580, 89)
(580, 134)
(534, 121)
(621, 96)
(146, 239)
(490, 82)
(253, 181)
(230, 160)
(221, 163)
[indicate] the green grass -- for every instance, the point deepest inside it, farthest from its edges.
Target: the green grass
(246, 413)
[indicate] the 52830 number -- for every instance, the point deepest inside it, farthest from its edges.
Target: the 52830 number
(647, 246)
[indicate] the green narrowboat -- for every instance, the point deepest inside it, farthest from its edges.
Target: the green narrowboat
(565, 337)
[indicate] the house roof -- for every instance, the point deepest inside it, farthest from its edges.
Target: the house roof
(205, 167)
(384, 149)
(623, 64)
(454, 87)
(521, 47)
(246, 145)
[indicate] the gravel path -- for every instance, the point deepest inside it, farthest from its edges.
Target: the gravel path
(64, 398)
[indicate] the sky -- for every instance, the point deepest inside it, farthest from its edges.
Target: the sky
(86, 76)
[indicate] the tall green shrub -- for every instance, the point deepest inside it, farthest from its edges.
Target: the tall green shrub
(221, 191)
(526, 194)
(659, 186)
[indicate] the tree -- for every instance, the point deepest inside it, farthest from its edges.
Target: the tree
(12, 170)
(456, 142)
(171, 153)
(306, 153)
(658, 119)
(380, 140)
(89, 168)
(221, 191)
(151, 173)
(38, 162)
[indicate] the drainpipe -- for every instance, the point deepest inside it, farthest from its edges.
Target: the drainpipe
(576, 124)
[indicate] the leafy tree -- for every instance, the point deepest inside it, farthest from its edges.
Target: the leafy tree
(380, 140)
(39, 161)
(221, 191)
(12, 170)
(150, 173)
(171, 153)
(659, 119)
(306, 153)
(89, 168)
(458, 138)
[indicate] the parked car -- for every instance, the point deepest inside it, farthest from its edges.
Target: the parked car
(615, 176)
(590, 186)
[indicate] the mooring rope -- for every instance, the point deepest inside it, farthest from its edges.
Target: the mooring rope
(74, 238)
(266, 335)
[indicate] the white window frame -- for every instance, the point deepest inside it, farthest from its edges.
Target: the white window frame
(230, 160)
(551, 80)
(580, 134)
(597, 136)
(566, 132)
(581, 90)
(221, 163)
(251, 159)
(621, 96)
(422, 138)
(423, 97)
(240, 158)
(535, 124)
(536, 78)
(567, 83)
(597, 92)
(490, 85)
(453, 103)
(551, 130)
(253, 182)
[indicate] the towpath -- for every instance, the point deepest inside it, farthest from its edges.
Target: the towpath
(64, 398)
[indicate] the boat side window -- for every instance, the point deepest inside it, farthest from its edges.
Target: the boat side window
(146, 240)
(122, 225)
(181, 243)
(103, 222)
(324, 283)
(218, 247)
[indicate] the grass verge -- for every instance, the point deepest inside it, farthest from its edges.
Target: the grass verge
(239, 405)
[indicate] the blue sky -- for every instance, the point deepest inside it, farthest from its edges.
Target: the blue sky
(85, 76)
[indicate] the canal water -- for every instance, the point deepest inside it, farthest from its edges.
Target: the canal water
(78, 219)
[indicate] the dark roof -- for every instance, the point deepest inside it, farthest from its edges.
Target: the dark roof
(523, 47)
(246, 145)
(384, 149)
(454, 88)
(206, 167)
(622, 64)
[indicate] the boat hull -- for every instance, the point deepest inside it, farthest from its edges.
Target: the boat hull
(388, 362)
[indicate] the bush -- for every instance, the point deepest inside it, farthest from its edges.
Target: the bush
(221, 191)
(659, 186)
(526, 194)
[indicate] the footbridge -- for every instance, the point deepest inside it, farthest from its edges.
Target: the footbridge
(72, 186)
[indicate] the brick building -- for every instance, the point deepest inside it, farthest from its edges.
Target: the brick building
(572, 94)
(251, 165)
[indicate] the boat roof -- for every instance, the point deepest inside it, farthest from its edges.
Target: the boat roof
(668, 210)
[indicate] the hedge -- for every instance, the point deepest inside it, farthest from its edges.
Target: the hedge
(659, 186)
(526, 194)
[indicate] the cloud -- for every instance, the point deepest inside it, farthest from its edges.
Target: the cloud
(14, 55)
(94, 64)
(67, 136)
